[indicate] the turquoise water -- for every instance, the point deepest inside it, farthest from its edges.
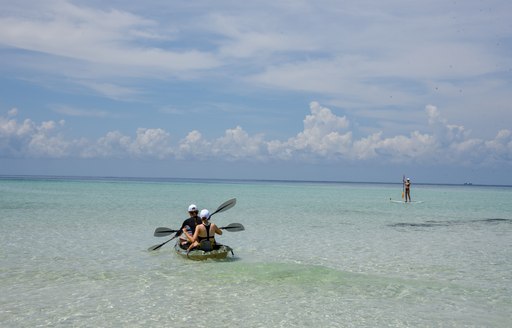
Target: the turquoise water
(74, 253)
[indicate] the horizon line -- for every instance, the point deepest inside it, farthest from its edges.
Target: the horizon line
(141, 178)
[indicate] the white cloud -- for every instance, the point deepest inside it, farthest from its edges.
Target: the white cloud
(12, 112)
(255, 34)
(148, 143)
(358, 55)
(113, 145)
(107, 38)
(30, 139)
(237, 144)
(193, 146)
(325, 137)
(44, 145)
(417, 147)
(152, 143)
(445, 133)
(111, 91)
(500, 148)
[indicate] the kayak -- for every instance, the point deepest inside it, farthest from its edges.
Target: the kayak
(199, 255)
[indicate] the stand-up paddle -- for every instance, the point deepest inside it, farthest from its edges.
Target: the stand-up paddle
(403, 186)
(223, 207)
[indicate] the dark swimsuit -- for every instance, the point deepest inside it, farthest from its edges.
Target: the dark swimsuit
(199, 238)
(208, 237)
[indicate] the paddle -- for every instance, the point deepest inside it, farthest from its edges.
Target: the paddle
(403, 186)
(223, 207)
(162, 231)
(155, 247)
(234, 227)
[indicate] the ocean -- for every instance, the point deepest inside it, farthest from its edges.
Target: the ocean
(74, 253)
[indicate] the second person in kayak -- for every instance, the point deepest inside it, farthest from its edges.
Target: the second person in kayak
(204, 236)
(188, 227)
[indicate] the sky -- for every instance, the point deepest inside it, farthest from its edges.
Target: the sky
(335, 90)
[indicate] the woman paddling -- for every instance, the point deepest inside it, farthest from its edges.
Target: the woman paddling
(408, 190)
(204, 236)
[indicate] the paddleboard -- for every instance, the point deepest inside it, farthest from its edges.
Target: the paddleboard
(404, 202)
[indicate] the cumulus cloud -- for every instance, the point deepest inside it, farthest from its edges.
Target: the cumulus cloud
(12, 112)
(500, 148)
(325, 137)
(236, 144)
(152, 143)
(445, 133)
(114, 144)
(31, 139)
(324, 134)
(148, 143)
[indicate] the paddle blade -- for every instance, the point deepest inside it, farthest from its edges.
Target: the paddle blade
(234, 227)
(163, 231)
(155, 247)
(225, 206)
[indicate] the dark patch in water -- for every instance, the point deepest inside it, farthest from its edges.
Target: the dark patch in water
(416, 225)
(494, 220)
(432, 224)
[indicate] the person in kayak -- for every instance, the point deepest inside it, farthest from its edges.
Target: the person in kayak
(188, 227)
(204, 236)
(407, 190)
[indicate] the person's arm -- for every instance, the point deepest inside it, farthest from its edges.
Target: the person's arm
(187, 234)
(196, 234)
(179, 232)
(216, 229)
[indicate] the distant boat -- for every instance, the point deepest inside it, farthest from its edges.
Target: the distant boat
(468, 184)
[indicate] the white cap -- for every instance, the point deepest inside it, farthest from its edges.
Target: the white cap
(408, 179)
(192, 208)
(205, 214)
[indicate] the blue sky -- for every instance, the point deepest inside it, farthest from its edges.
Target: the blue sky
(310, 90)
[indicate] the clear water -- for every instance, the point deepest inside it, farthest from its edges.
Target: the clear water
(74, 253)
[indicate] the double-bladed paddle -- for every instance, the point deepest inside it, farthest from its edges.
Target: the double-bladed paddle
(163, 231)
(223, 207)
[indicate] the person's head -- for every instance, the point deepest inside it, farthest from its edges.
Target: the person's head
(205, 215)
(192, 210)
(408, 179)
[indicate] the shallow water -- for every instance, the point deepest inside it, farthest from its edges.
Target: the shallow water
(74, 253)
